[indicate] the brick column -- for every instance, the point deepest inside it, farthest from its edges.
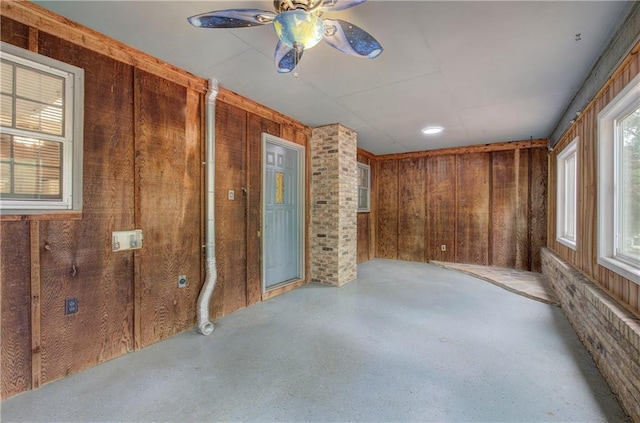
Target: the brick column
(334, 195)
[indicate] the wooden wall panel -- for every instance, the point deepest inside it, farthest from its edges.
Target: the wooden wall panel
(374, 207)
(13, 32)
(168, 167)
(255, 127)
(523, 175)
(473, 189)
(302, 137)
(16, 309)
(411, 209)
(477, 204)
(584, 257)
(388, 209)
(440, 199)
(143, 152)
(366, 224)
(588, 202)
(504, 199)
(76, 259)
(538, 205)
(363, 237)
(231, 227)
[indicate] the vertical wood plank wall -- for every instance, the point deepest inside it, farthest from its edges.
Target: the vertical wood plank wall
(387, 224)
(411, 215)
(366, 220)
(239, 127)
(143, 154)
(485, 204)
(441, 207)
(168, 145)
(75, 255)
(584, 258)
(473, 195)
(15, 257)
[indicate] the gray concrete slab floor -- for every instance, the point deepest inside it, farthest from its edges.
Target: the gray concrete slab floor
(405, 342)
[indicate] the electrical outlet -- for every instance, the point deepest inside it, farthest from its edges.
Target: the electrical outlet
(182, 281)
(443, 247)
(71, 306)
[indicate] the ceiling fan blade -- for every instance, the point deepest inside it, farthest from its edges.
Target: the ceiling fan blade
(232, 18)
(286, 58)
(333, 5)
(351, 39)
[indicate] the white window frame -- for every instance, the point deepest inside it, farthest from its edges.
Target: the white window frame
(72, 140)
(566, 159)
(619, 108)
(368, 188)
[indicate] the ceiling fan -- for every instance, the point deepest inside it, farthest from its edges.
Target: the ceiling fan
(299, 27)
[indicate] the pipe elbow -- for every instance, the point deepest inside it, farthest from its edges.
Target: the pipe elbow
(206, 328)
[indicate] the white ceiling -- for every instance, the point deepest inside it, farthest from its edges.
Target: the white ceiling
(485, 71)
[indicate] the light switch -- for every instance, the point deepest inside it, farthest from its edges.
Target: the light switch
(232, 194)
(126, 240)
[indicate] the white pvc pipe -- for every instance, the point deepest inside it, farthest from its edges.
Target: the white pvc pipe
(205, 326)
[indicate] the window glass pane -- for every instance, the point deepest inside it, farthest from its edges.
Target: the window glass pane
(5, 178)
(25, 180)
(36, 182)
(5, 147)
(629, 187)
(5, 164)
(31, 168)
(362, 198)
(6, 110)
(38, 117)
(39, 87)
(6, 78)
(36, 152)
(364, 179)
(570, 196)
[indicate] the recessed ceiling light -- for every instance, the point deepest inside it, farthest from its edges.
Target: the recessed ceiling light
(432, 130)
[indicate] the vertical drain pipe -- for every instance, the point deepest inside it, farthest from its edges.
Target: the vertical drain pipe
(205, 326)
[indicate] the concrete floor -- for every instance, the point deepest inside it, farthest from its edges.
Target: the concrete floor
(405, 342)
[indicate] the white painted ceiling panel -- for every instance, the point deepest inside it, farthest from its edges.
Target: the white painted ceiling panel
(485, 71)
(514, 120)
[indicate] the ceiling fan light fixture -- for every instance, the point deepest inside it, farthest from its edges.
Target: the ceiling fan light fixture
(432, 130)
(299, 29)
(298, 25)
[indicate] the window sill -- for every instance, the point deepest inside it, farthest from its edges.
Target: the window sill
(566, 242)
(41, 216)
(621, 268)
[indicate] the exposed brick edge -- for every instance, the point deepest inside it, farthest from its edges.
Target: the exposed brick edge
(610, 332)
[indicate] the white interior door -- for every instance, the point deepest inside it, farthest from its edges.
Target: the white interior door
(283, 212)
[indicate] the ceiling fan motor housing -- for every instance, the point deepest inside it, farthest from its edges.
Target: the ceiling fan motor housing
(286, 5)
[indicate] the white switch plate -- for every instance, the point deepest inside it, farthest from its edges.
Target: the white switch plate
(232, 194)
(126, 240)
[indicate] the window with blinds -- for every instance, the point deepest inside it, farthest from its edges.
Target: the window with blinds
(364, 180)
(40, 148)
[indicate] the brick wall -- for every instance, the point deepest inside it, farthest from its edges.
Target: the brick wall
(334, 194)
(610, 332)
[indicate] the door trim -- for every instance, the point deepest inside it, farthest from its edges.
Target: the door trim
(300, 149)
